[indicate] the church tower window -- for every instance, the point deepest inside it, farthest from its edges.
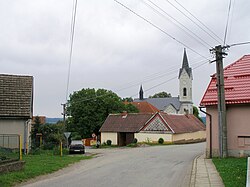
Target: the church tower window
(184, 91)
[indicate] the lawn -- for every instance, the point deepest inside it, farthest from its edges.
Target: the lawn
(39, 165)
(232, 171)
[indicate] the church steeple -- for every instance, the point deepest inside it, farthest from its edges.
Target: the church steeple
(141, 93)
(185, 65)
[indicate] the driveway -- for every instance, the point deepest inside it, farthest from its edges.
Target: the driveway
(153, 166)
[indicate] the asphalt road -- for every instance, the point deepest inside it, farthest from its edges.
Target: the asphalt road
(153, 166)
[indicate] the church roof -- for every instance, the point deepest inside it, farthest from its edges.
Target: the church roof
(162, 103)
(185, 65)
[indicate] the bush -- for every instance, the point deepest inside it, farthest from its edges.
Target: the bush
(134, 140)
(109, 142)
(161, 141)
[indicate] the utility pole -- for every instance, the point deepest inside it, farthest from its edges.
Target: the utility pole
(221, 101)
(64, 113)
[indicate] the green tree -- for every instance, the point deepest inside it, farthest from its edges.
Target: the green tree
(161, 95)
(52, 134)
(34, 130)
(128, 99)
(89, 108)
(196, 113)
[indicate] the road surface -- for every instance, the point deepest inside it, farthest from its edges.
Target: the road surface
(153, 166)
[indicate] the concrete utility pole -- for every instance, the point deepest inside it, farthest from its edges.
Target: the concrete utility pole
(221, 101)
(64, 112)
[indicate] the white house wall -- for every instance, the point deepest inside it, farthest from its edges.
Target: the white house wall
(16, 127)
(152, 137)
(189, 136)
(109, 136)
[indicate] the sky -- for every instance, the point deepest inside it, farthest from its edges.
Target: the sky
(115, 49)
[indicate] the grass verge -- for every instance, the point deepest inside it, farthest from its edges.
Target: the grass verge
(232, 171)
(39, 165)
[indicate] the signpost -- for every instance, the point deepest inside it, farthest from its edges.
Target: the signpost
(67, 134)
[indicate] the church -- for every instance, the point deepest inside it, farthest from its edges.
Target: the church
(183, 104)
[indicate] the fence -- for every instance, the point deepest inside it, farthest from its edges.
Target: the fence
(9, 147)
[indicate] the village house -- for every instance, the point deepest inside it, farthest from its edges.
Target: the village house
(237, 97)
(16, 106)
(123, 128)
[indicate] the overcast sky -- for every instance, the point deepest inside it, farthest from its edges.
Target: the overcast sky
(113, 48)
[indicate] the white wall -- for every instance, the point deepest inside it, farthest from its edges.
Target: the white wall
(170, 110)
(109, 136)
(152, 137)
(16, 127)
(189, 136)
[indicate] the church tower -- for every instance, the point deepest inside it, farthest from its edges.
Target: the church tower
(185, 86)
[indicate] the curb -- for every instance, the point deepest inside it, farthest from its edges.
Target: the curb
(194, 171)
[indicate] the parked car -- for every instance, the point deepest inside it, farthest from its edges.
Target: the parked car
(76, 146)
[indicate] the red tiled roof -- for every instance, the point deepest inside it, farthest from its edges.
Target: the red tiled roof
(183, 123)
(125, 123)
(145, 107)
(237, 84)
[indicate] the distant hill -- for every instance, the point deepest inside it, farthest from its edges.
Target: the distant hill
(53, 120)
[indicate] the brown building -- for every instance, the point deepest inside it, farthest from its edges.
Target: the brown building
(121, 129)
(237, 97)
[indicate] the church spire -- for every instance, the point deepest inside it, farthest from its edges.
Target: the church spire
(141, 93)
(185, 65)
(185, 60)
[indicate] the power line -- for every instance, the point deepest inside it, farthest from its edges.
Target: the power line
(199, 64)
(218, 38)
(242, 43)
(187, 29)
(163, 31)
(228, 13)
(72, 32)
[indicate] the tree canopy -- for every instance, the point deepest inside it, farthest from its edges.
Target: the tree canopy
(88, 109)
(161, 95)
(196, 113)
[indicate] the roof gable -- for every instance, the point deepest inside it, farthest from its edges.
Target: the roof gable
(16, 96)
(156, 124)
(237, 84)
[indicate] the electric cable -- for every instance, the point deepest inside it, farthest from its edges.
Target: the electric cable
(157, 27)
(228, 15)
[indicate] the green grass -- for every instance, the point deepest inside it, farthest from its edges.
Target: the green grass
(39, 165)
(232, 171)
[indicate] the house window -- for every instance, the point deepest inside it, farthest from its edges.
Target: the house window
(184, 91)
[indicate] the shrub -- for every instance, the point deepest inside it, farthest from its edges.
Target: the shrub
(161, 141)
(109, 142)
(134, 140)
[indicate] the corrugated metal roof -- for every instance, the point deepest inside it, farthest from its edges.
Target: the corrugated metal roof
(16, 96)
(125, 123)
(180, 123)
(237, 84)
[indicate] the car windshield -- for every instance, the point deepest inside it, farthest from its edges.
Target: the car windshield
(75, 142)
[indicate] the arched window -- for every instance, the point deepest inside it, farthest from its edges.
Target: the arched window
(184, 91)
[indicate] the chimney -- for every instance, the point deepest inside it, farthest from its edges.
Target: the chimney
(124, 114)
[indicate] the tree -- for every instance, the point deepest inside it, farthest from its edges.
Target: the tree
(34, 130)
(128, 99)
(161, 95)
(89, 108)
(196, 113)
